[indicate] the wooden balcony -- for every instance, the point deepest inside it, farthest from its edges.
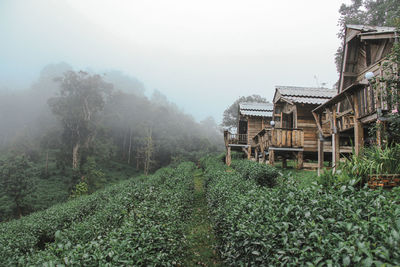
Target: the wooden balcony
(280, 138)
(235, 139)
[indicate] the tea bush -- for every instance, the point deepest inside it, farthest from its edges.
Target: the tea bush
(264, 175)
(286, 225)
(140, 223)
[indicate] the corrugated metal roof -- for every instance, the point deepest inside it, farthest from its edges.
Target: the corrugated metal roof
(313, 92)
(256, 113)
(256, 106)
(376, 29)
(306, 100)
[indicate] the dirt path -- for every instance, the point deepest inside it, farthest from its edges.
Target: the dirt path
(200, 235)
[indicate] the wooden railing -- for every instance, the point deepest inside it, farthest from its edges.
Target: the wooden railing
(231, 138)
(280, 137)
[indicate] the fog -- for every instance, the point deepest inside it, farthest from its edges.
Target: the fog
(201, 55)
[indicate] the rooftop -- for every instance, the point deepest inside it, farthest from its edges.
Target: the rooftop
(256, 109)
(305, 95)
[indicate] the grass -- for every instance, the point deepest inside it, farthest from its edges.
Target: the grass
(304, 177)
(200, 237)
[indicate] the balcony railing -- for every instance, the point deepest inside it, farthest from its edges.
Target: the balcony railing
(280, 137)
(231, 138)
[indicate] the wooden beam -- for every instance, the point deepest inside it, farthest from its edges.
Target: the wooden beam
(245, 151)
(335, 142)
(317, 118)
(377, 36)
(320, 156)
(358, 130)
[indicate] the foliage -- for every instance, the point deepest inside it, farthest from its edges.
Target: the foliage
(355, 170)
(17, 178)
(263, 174)
(291, 226)
(230, 116)
(80, 189)
(82, 97)
(136, 222)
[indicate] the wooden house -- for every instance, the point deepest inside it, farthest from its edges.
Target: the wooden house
(295, 131)
(252, 118)
(360, 101)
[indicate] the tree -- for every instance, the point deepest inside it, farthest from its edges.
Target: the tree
(17, 181)
(230, 116)
(82, 97)
(367, 12)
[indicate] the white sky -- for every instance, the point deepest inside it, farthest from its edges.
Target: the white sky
(201, 54)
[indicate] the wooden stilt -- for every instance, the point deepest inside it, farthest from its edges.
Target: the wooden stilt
(271, 157)
(284, 163)
(320, 156)
(358, 130)
(228, 158)
(335, 142)
(249, 152)
(300, 160)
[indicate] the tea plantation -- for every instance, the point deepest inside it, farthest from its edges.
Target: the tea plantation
(287, 225)
(247, 215)
(138, 222)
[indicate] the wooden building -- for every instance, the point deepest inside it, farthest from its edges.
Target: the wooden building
(360, 101)
(252, 118)
(295, 132)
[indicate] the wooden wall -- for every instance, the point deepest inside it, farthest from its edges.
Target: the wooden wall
(255, 125)
(306, 121)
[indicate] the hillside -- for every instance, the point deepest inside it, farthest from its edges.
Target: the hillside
(249, 214)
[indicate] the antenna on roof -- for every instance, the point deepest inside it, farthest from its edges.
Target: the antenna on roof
(316, 80)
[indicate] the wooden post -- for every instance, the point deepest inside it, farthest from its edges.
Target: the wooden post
(300, 157)
(320, 156)
(249, 152)
(335, 141)
(271, 157)
(358, 130)
(284, 162)
(228, 158)
(256, 153)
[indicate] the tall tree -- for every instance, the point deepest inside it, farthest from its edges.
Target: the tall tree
(230, 116)
(82, 97)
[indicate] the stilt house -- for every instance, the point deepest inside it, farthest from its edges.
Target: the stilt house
(360, 102)
(294, 134)
(252, 118)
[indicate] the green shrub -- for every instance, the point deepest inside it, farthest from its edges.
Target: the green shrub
(137, 222)
(264, 175)
(291, 226)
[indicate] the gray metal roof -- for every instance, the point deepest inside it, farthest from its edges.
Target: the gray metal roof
(304, 95)
(306, 100)
(317, 92)
(256, 109)
(256, 113)
(256, 106)
(375, 29)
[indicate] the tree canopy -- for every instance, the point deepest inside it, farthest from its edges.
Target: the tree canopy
(230, 116)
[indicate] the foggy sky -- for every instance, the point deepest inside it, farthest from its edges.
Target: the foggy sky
(201, 54)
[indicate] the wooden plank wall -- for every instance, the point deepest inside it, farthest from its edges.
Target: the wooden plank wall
(305, 121)
(255, 125)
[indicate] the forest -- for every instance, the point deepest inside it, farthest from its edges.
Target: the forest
(74, 132)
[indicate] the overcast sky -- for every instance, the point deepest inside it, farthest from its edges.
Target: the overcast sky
(201, 54)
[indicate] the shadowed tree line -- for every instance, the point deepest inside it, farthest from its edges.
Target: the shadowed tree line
(78, 131)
